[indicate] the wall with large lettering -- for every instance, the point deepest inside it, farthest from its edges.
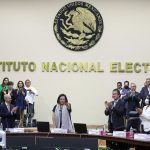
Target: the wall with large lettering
(29, 49)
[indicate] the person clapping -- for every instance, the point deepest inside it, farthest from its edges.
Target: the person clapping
(145, 115)
(116, 111)
(20, 101)
(7, 112)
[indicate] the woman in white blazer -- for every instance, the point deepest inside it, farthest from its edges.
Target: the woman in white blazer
(145, 115)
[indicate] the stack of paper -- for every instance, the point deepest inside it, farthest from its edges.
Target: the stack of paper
(58, 130)
(143, 137)
(119, 134)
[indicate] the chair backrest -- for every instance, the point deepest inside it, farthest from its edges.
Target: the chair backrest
(135, 123)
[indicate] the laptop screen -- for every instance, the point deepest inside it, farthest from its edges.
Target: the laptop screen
(80, 128)
(43, 126)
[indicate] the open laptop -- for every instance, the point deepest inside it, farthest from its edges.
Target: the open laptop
(43, 126)
(80, 128)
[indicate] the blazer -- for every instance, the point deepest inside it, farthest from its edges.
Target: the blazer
(108, 113)
(116, 115)
(143, 94)
(132, 102)
(7, 118)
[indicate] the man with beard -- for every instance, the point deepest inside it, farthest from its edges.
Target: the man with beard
(125, 90)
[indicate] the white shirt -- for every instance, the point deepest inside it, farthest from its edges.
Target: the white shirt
(30, 96)
(8, 106)
(115, 102)
(145, 118)
(148, 89)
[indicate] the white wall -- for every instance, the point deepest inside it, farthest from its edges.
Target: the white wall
(26, 34)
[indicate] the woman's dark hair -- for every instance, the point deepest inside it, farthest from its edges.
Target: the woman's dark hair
(4, 80)
(58, 99)
(10, 83)
(21, 82)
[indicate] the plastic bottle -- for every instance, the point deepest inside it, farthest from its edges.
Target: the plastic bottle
(1, 126)
(131, 133)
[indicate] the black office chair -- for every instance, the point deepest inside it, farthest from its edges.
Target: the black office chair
(135, 123)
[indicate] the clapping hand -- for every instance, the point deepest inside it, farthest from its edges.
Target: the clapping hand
(14, 110)
(30, 91)
(108, 104)
(23, 92)
(139, 110)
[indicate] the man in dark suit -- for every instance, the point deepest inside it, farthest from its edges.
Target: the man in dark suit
(116, 112)
(7, 113)
(145, 91)
(132, 101)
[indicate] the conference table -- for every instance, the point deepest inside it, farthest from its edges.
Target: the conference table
(13, 137)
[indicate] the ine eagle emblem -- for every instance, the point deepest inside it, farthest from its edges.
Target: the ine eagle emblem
(78, 26)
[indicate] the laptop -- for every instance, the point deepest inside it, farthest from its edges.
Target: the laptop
(43, 126)
(80, 128)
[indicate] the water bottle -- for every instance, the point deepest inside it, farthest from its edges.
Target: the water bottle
(1, 125)
(131, 133)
